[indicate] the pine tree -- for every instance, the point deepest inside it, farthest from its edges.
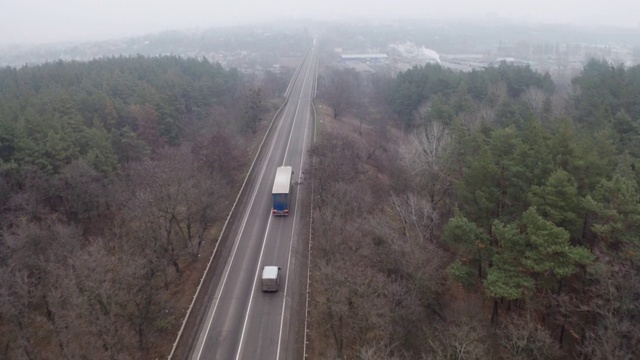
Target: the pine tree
(508, 278)
(550, 254)
(615, 209)
(558, 201)
(470, 244)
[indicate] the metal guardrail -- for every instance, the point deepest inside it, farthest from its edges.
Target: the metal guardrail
(306, 311)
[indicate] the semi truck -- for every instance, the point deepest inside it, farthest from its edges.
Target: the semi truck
(282, 191)
(270, 278)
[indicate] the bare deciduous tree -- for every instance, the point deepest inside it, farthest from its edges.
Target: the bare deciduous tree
(523, 338)
(99, 270)
(17, 312)
(87, 304)
(423, 157)
(612, 301)
(34, 254)
(253, 110)
(380, 351)
(219, 155)
(423, 151)
(421, 115)
(350, 296)
(457, 340)
(335, 159)
(339, 90)
(535, 98)
(416, 216)
(173, 202)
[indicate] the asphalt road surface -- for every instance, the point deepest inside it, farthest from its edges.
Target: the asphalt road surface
(242, 322)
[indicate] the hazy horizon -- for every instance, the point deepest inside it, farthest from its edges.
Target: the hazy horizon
(40, 21)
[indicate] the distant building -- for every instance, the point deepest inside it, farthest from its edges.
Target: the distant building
(511, 61)
(415, 53)
(364, 58)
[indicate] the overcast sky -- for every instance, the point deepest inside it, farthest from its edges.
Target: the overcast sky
(38, 21)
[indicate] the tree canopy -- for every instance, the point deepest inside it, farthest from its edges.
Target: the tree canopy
(107, 111)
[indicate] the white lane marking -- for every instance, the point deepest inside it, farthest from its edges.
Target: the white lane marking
(224, 227)
(295, 115)
(253, 288)
(286, 283)
(235, 247)
(244, 326)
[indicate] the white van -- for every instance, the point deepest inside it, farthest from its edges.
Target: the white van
(270, 278)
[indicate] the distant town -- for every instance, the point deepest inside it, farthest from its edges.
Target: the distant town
(254, 50)
(561, 61)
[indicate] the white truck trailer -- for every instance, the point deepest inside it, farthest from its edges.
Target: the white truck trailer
(282, 191)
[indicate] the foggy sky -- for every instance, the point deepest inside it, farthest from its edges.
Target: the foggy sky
(43, 21)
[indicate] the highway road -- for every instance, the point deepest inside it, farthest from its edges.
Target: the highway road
(242, 322)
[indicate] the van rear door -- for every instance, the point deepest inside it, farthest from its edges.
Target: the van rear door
(270, 278)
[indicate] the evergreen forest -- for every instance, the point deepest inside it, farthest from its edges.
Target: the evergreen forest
(478, 215)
